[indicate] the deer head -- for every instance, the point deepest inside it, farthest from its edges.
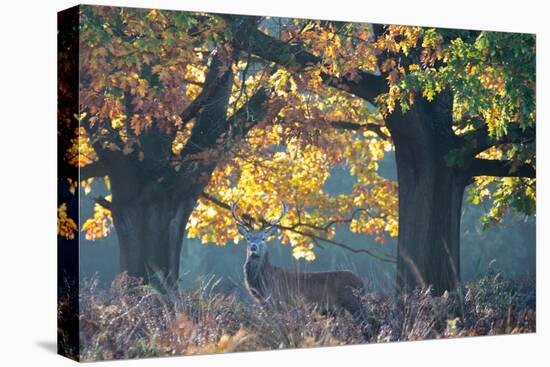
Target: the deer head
(256, 249)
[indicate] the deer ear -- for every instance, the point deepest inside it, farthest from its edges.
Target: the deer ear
(242, 230)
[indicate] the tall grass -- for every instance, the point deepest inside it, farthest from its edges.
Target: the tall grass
(131, 319)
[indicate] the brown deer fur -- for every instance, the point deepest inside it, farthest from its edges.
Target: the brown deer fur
(330, 290)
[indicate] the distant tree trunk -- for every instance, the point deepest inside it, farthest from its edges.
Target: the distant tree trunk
(430, 199)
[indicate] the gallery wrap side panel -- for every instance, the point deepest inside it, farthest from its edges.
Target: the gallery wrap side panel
(67, 179)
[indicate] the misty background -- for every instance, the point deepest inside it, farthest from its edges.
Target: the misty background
(509, 248)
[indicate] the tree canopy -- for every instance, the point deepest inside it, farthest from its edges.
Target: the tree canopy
(306, 97)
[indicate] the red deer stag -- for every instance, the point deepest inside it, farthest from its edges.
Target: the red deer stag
(269, 284)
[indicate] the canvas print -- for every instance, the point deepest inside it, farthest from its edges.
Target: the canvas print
(235, 183)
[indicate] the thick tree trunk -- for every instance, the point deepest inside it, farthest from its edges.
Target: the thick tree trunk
(430, 202)
(151, 201)
(150, 236)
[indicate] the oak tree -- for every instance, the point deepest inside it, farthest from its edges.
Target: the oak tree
(183, 113)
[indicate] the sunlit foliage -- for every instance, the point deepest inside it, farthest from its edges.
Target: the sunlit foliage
(492, 78)
(100, 224)
(153, 63)
(66, 227)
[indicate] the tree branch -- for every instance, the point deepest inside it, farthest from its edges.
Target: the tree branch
(208, 88)
(104, 202)
(314, 237)
(94, 169)
(252, 112)
(295, 57)
(479, 140)
(327, 226)
(497, 168)
(383, 257)
(344, 125)
(210, 122)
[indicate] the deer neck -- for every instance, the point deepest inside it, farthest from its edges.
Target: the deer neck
(255, 269)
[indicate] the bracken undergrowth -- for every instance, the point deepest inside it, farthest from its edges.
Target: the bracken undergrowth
(132, 319)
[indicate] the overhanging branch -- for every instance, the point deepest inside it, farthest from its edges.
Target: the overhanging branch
(479, 140)
(104, 202)
(313, 236)
(327, 226)
(383, 258)
(343, 125)
(498, 168)
(294, 57)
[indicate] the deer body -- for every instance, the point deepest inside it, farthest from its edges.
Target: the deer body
(273, 285)
(330, 290)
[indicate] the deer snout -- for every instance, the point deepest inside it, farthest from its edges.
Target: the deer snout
(253, 248)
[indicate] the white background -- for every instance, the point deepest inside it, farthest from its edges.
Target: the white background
(28, 181)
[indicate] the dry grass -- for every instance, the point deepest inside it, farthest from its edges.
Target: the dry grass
(131, 320)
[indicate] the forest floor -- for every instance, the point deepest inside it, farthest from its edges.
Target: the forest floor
(133, 320)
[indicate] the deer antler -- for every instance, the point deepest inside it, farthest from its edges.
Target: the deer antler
(247, 222)
(240, 221)
(278, 220)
